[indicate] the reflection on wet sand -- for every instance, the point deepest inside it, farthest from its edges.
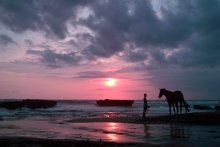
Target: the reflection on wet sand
(175, 133)
(146, 130)
(113, 137)
(166, 133)
(121, 132)
(178, 130)
(112, 131)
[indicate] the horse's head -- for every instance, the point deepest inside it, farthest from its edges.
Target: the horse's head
(162, 92)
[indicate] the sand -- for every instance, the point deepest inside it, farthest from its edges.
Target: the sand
(192, 129)
(34, 142)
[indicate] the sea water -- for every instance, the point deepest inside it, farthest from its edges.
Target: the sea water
(89, 108)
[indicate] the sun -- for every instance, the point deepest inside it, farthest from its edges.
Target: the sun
(111, 82)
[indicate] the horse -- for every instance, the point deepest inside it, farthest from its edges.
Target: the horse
(173, 98)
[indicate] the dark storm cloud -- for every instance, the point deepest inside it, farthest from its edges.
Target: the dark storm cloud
(190, 26)
(5, 40)
(193, 27)
(56, 60)
(48, 16)
(121, 22)
(135, 55)
(202, 48)
(110, 23)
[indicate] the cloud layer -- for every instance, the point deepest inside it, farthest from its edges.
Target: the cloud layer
(5, 40)
(130, 29)
(169, 45)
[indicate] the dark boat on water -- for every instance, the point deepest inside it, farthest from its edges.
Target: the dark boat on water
(108, 102)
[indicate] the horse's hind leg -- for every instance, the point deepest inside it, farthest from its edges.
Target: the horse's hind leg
(173, 108)
(177, 108)
(186, 106)
(169, 108)
(180, 107)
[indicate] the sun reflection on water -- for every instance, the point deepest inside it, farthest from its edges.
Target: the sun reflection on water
(113, 129)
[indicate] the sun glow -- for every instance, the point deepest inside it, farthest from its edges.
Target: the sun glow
(110, 82)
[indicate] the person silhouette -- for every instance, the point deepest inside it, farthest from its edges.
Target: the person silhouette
(145, 106)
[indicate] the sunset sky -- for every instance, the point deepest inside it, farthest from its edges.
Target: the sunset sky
(119, 49)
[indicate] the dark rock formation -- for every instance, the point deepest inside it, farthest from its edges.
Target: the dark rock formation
(108, 102)
(217, 107)
(33, 104)
(202, 107)
(12, 105)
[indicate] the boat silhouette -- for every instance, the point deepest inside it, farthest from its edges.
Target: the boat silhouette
(108, 102)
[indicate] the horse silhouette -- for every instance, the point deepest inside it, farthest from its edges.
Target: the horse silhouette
(173, 98)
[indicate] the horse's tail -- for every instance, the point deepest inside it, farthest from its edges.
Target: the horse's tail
(186, 106)
(184, 102)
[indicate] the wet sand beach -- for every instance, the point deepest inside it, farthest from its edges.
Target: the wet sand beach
(190, 118)
(193, 129)
(33, 142)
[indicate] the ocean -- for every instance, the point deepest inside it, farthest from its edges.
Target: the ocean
(89, 108)
(57, 123)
